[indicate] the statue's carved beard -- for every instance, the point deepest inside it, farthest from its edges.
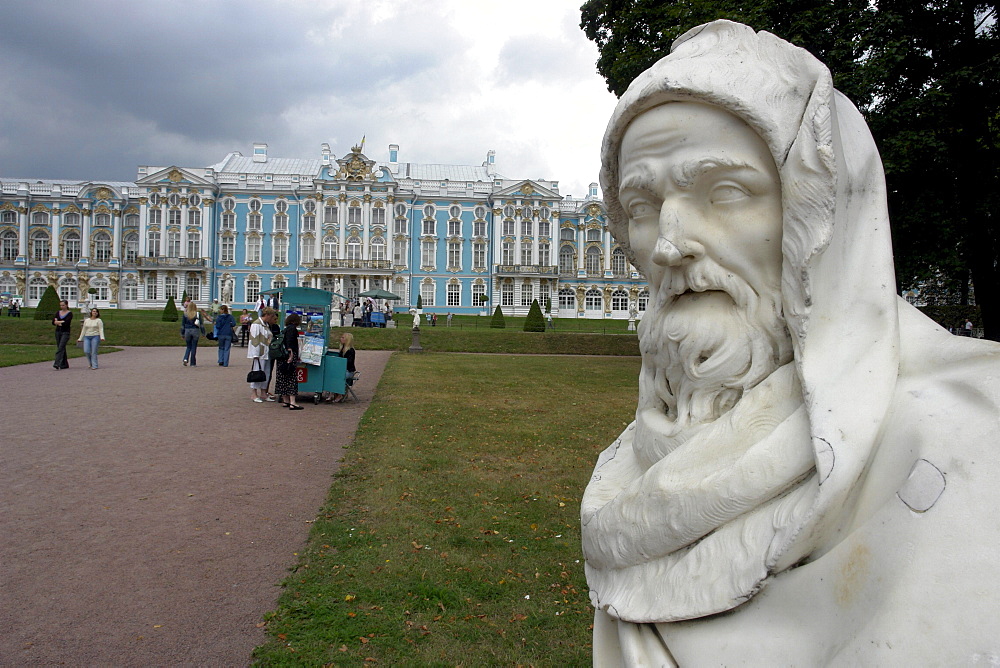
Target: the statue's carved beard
(708, 338)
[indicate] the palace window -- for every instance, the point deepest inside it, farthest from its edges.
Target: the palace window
(281, 206)
(68, 289)
(151, 287)
(567, 234)
(102, 220)
(71, 220)
(153, 244)
(170, 287)
(194, 244)
(174, 217)
(479, 228)
(455, 211)
(618, 262)
(508, 227)
(281, 222)
(354, 248)
(400, 209)
(454, 294)
(173, 244)
(480, 212)
(526, 228)
(428, 226)
(593, 300)
(194, 201)
(527, 294)
(130, 247)
(229, 221)
(544, 255)
(194, 217)
(129, 290)
(40, 246)
(478, 290)
(40, 218)
(330, 214)
(527, 253)
(619, 300)
(228, 249)
(252, 289)
(253, 249)
(429, 211)
(279, 283)
(543, 294)
(454, 228)
(329, 247)
(378, 249)
(9, 242)
(36, 288)
(131, 220)
(507, 252)
(279, 246)
(454, 255)
(427, 254)
(594, 234)
(378, 215)
(255, 222)
(102, 247)
(308, 252)
(508, 211)
(354, 214)
(309, 223)
(592, 260)
(193, 287)
(567, 299)
(567, 260)
(478, 256)
(399, 252)
(71, 246)
(174, 199)
(427, 293)
(643, 301)
(544, 228)
(255, 205)
(506, 294)
(399, 226)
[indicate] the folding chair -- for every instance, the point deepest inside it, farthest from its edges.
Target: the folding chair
(350, 382)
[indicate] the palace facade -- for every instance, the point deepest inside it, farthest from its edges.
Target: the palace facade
(448, 233)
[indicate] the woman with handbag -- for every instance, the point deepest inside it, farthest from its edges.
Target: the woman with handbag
(257, 352)
(191, 330)
(285, 384)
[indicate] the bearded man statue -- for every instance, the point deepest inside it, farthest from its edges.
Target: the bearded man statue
(811, 475)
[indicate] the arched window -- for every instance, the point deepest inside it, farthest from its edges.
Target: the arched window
(170, 287)
(507, 294)
(194, 244)
(378, 249)
(193, 286)
(567, 260)
(527, 294)
(279, 247)
(593, 234)
(254, 246)
(643, 300)
(130, 247)
(102, 247)
(102, 220)
(227, 248)
(593, 300)
(68, 289)
(427, 293)
(40, 246)
(619, 263)
(8, 284)
(619, 300)
(567, 299)
(103, 288)
(567, 234)
(8, 241)
(354, 248)
(36, 287)
(71, 246)
(592, 260)
(129, 289)
(329, 247)
(71, 219)
(40, 218)
(454, 294)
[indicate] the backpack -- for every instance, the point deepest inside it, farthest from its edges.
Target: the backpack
(276, 349)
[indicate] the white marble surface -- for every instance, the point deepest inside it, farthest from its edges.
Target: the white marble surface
(810, 476)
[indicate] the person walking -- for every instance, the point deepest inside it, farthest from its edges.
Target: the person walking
(285, 384)
(92, 333)
(191, 331)
(62, 320)
(257, 352)
(225, 325)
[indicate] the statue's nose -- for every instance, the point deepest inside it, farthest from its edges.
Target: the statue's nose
(675, 243)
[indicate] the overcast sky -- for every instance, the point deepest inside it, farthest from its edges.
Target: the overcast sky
(90, 89)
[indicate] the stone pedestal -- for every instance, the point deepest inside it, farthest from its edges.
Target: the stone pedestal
(415, 344)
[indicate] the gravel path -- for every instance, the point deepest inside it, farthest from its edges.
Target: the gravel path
(149, 510)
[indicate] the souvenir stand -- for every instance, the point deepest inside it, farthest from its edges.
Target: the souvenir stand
(320, 370)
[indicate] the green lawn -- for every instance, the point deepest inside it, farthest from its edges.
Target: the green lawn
(451, 532)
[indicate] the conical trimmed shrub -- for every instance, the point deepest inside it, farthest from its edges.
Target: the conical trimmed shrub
(48, 304)
(497, 322)
(170, 310)
(534, 322)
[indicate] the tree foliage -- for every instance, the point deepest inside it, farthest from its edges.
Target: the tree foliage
(926, 74)
(497, 321)
(170, 310)
(535, 322)
(47, 305)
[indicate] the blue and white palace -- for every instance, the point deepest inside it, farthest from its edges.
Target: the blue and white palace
(449, 233)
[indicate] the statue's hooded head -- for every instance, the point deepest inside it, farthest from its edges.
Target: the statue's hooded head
(823, 263)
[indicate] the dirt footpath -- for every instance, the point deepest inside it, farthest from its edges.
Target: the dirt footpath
(148, 510)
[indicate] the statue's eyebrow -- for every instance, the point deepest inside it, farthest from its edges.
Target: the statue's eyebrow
(685, 174)
(641, 177)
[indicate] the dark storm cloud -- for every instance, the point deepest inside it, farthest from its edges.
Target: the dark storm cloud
(90, 88)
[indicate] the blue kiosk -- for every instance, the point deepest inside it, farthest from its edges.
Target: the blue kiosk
(320, 369)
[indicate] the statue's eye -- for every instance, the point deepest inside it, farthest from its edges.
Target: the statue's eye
(641, 209)
(728, 193)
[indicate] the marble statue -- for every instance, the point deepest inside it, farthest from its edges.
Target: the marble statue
(811, 475)
(416, 318)
(227, 290)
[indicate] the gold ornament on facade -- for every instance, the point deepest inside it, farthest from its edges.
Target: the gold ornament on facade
(103, 193)
(175, 175)
(367, 197)
(594, 210)
(39, 207)
(143, 201)
(526, 189)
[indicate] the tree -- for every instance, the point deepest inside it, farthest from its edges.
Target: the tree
(420, 303)
(170, 310)
(534, 322)
(497, 322)
(924, 74)
(184, 297)
(47, 305)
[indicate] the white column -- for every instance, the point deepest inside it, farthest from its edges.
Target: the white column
(143, 226)
(342, 236)
(88, 216)
(206, 226)
(581, 244)
(366, 217)
(22, 237)
(606, 236)
(56, 225)
(117, 220)
(164, 221)
(184, 228)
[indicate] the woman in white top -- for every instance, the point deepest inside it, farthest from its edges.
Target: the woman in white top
(92, 333)
(257, 351)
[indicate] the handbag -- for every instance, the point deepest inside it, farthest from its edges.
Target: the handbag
(276, 349)
(256, 375)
